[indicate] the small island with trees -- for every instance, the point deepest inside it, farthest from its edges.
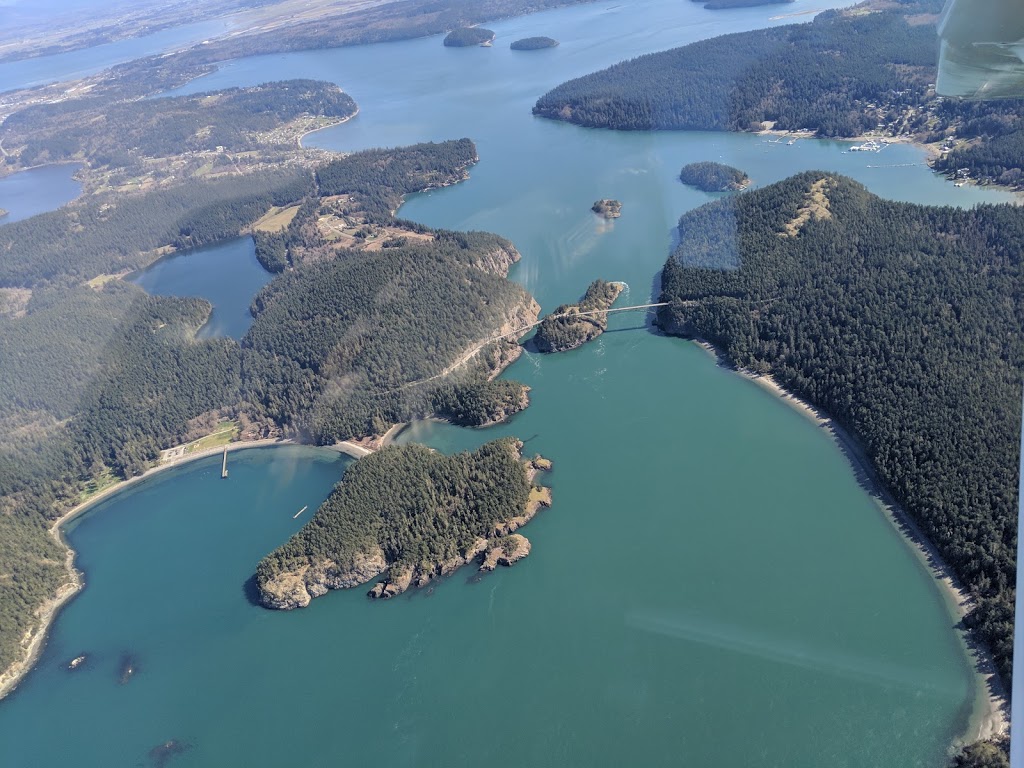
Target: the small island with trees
(569, 326)
(414, 515)
(610, 209)
(714, 177)
(533, 43)
(468, 36)
(721, 5)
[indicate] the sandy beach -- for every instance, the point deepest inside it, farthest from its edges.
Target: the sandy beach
(990, 715)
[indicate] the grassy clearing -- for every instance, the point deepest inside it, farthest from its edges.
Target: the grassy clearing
(98, 484)
(226, 432)
(276, 219)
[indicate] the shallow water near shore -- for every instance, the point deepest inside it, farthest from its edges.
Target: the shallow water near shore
(711, 586)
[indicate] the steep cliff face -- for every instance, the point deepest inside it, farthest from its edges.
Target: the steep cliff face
(499, 260)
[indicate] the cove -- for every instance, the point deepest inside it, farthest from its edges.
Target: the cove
(711, 586)
(227, 275)
(38, 190)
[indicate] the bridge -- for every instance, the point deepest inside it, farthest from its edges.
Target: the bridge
(517, 333)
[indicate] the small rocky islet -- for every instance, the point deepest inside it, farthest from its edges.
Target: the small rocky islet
(573, 325)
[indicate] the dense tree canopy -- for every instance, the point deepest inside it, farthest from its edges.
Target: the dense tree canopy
(419, 507)
(841, 75)
(713, 177)
(338, 347)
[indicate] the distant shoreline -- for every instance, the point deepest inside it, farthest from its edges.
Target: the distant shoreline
(990, 710)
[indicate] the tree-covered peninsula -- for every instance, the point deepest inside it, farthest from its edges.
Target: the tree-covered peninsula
(467, 36)
(713, 177)
(533, 43)
(410, 512)
(906, 324)
(573, 325)
(607, 208)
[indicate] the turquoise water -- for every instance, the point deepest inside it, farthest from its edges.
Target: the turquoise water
(227, 274)
(711, 587)
(37, 190)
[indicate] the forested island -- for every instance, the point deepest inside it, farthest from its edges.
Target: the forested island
(414, 513)
(609, 209)
(99, 377)
(573, 325)
(533, 43)
(713, 177)
(717, 5)
(904, 323)
(467, 36)
(842, 75)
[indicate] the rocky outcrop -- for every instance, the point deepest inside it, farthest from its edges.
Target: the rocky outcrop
(398, 581)
(288, 580)
(508, 551)
(503, 547)
(294, 589)
(610, 209)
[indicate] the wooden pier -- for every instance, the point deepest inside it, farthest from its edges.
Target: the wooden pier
(224, 465)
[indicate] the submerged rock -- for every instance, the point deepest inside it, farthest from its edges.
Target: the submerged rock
(128, 668)
(160, 754)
